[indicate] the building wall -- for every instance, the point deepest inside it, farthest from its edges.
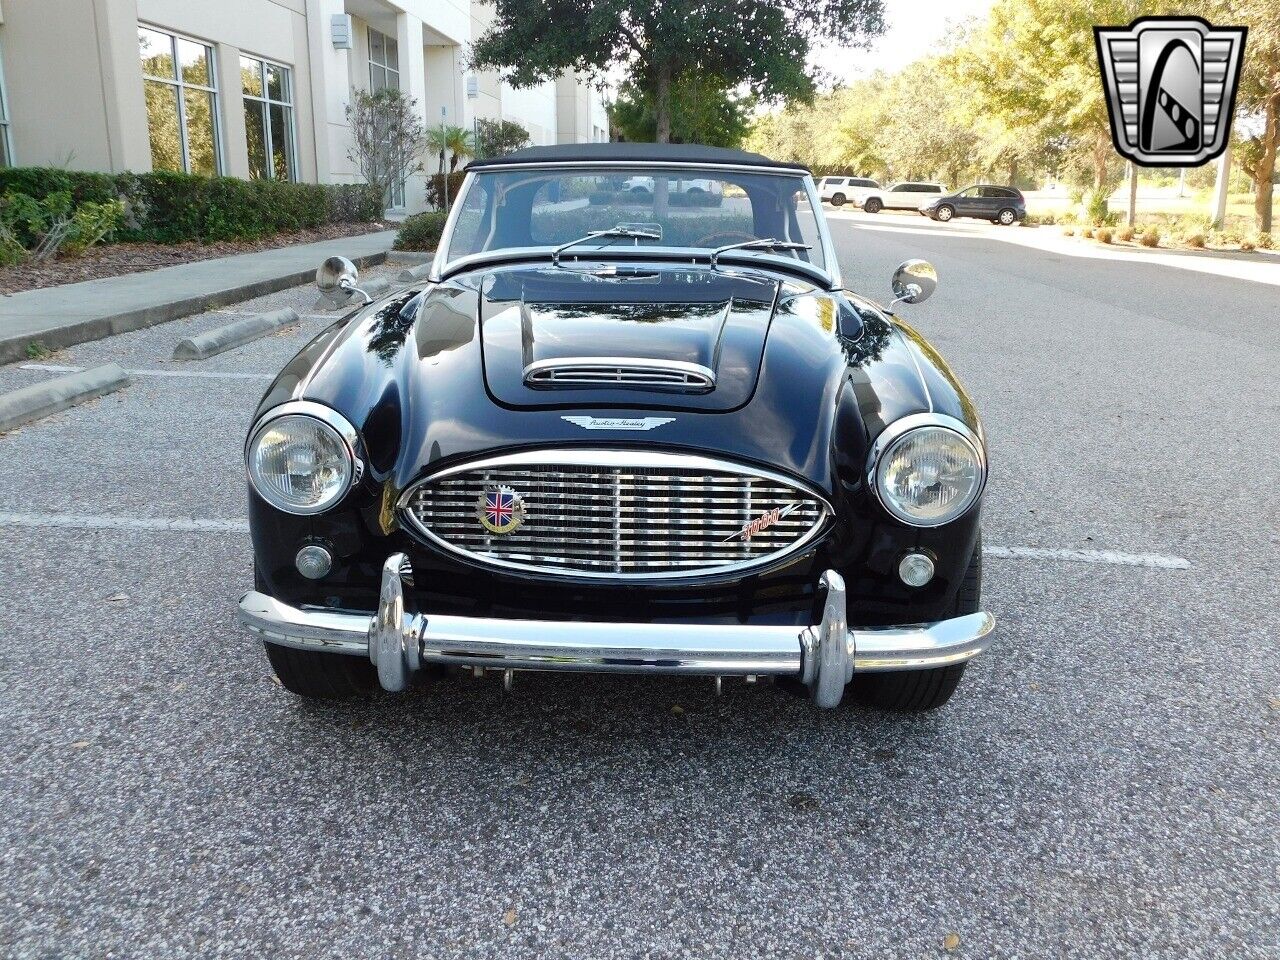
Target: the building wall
(75, 87)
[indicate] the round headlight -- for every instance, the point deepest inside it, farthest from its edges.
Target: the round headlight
(299, 464)
(929, 475)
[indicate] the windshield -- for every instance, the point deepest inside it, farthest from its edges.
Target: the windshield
(702, 209)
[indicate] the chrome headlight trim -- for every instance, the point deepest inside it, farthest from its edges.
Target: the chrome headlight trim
(900, 428)
(336, 422)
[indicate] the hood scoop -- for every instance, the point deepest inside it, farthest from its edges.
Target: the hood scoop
(673, 337)
(636, 373)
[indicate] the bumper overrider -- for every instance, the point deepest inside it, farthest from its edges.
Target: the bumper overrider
(824, 656)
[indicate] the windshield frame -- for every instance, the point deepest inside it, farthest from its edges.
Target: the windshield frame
(829, 274)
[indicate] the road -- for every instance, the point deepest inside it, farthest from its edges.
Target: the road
(1105, 782)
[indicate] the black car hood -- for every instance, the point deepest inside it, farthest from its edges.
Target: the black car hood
(715, 319)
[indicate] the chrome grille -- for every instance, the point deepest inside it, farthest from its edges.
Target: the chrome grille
(614, 514)
(620, 372)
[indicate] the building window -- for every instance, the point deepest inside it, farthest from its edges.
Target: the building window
(268, 119)
(6, 146)
(182, 102)
(384, 62)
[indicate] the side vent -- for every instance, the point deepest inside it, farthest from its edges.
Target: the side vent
(641, 373)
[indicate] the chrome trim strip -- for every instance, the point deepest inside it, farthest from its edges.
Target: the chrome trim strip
(824, 656)
(611, 459)
(326, 415)
(906, 424)
(694, 376)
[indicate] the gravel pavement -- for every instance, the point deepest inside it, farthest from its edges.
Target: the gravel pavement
(1104, 783)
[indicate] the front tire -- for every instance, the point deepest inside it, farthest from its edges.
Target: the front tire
(873, 205)
(321, 676)
(920, 690)
(945, 213)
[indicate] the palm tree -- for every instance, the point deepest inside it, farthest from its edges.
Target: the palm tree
(457, 143)
(462, 145)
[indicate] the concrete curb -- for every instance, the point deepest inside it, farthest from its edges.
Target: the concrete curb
(42, 399)
(377, 287)
(410, 256)
(413, 274)
(224, 338)
(15, 348)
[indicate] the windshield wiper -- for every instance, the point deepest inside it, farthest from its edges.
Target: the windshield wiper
(623, 232)
(765, 243)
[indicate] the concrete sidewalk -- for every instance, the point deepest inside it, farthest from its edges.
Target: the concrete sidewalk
(73, 313)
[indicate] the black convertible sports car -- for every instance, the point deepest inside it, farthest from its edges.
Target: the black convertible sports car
(616, 432)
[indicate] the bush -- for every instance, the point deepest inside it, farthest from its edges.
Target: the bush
(1068, 231)
(422, 231)
(1151, 238)
(1195, 240)
(1246, 245)
(1263, 241)
(1087, 233)
(1096, 209)
(1102, 235)
(165, 207)
(1125, 234)
(42, 228)
(435, 188)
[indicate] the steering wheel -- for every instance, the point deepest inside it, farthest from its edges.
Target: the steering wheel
(723, 238)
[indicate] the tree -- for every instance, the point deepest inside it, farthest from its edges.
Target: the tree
(496, 137)
(455, 143)
(1034, 66)
(703, 110)
(761, 45)
(387, 136)
(1259, 98)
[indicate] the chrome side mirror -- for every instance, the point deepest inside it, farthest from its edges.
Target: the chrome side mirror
(336, 280)
(913, 282)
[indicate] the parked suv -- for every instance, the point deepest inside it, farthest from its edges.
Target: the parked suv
(982, 200)
(902, 196)
(841, 190)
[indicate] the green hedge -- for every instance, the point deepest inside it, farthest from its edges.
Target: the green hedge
(166, 207)
(422, 231)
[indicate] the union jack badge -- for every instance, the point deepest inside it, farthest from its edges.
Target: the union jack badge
(500, 510)
(1171, 88)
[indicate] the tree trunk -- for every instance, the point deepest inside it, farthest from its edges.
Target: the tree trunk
(1013, 172)
(662, 103)
(662, 112)
(1101, 153)
(1264, 173)
(1133, 193)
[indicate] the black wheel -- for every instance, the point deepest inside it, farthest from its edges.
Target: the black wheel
(1007, 217)
(919, 690)
(838, 200)
(321, 676)
(873, 205)
(946, 212)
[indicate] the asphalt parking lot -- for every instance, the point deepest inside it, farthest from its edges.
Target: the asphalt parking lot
(1104, 783)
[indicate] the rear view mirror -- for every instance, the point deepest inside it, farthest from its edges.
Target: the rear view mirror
(913, 282)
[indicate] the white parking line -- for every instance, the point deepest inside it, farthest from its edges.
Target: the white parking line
(192, 525)
(88, 522)
(1113, 557)
(196, 374)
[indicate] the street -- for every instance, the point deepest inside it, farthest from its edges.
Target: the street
(1104, 782)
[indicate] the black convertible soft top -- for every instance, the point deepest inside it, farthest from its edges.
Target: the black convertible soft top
(634, 153)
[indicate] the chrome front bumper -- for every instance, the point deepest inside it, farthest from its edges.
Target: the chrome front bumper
(824, 655)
